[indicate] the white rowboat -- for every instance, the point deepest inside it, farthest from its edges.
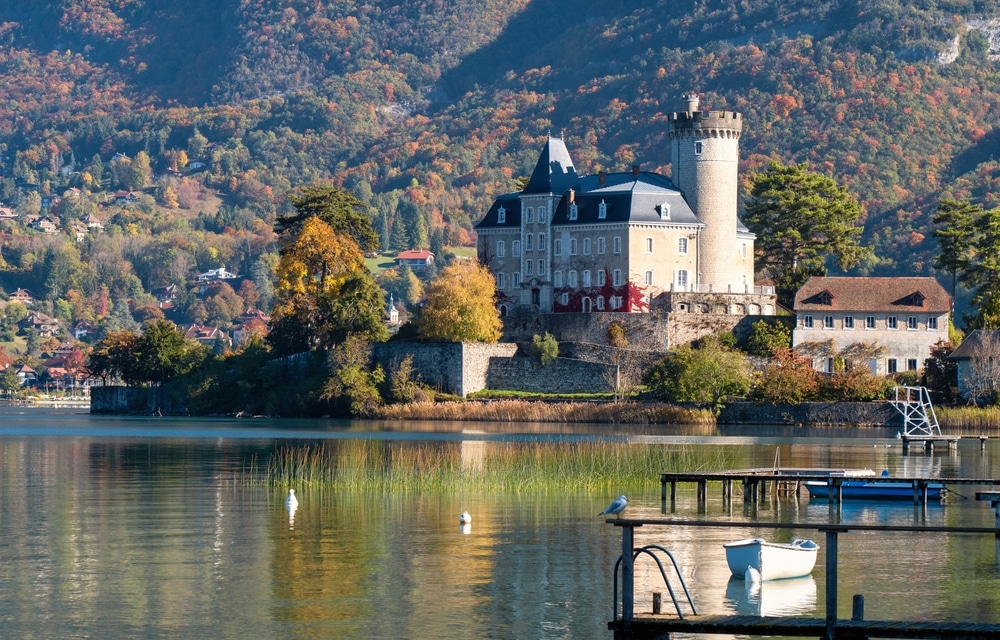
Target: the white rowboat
(771, 560)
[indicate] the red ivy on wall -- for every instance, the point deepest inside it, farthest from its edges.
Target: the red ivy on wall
(633, 297)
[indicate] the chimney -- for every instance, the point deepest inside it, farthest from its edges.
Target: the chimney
(690, 102)
(572, 196)
(635, 170)
(602, 178)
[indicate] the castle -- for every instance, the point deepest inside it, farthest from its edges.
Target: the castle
(631, 241)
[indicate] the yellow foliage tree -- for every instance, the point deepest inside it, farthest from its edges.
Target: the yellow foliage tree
(317, 261)
(460, 306)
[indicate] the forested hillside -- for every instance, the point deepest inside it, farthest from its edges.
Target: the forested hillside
(212, 112)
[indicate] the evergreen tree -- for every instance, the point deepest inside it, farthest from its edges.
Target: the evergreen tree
(956, 236)
(801, 219)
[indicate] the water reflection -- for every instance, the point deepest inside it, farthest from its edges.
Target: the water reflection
(792, 597)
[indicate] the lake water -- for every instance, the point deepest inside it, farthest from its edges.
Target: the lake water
(141, 528)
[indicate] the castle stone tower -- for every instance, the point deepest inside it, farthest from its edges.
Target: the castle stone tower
(704, 150)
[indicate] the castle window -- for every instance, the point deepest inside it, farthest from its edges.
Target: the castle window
(571, 280)
(557, 246)
(682, 246)
(541, 214)
(586, 278)
(827, 322)
(911, 323)
(682, 279)
(649, 277)
(515, 248)
(500, 280)
(891, 322)
(616, 302)
(849, 322)
(891, 366)
(932, 324)
(541, 267)
(601, 277)
(586, 246)
(616, 278)
(516, 280)
(501, 215)
(541, 242)
(600, 246)
(529, 242)
(616, 244)
(697, 148)
(649, 245)
(573, 211)
(531, 214)
(602, 210)
(564, 298)
(529, 268)
(911, 364)
(743, 251)
(869, 322)
(664, 211)
(600, 303)
(557, 279)
(501, 248)
(572, 246)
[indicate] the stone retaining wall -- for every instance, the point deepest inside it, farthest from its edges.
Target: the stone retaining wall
(813, 413)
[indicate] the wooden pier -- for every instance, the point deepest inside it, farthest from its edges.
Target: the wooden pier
(631, 626)
(785, 482)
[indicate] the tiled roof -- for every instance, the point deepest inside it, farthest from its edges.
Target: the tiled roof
(414, 254)
(872, 294)
(973, 343)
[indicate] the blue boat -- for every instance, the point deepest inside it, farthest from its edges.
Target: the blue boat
(873, 490)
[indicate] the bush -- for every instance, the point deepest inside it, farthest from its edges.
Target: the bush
(706, 376)
(546, 347)
(788, 379)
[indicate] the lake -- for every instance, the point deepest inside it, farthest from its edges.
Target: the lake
(143, 527)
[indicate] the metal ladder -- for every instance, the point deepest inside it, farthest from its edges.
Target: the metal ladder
(918, 412)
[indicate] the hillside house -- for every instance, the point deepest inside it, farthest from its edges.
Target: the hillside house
(45, 224)
(905, 316)
(45, 325)
(629, 241)
(416, 259)
(23, 296)
(204, 334)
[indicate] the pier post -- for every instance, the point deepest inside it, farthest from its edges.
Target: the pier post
(831, 584)
(628, 574)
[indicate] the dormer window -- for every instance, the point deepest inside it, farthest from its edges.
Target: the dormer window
(573, 211)
(501, 215)
(917, 299)
(664, 211)
(602, 210)
(825, 297)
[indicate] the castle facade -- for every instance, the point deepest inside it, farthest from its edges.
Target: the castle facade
(630, 241)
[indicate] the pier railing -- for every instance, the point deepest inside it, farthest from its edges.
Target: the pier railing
(628, 626)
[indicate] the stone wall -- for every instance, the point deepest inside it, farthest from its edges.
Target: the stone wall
(137, 400)
(648, 329)
(561, 375)
(813, 413)
(457, 368)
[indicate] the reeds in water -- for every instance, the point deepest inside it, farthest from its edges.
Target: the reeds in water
(510, 467)
(969, 419)
(533, 411)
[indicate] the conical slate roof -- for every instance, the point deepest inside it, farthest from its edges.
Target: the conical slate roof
(554, 172)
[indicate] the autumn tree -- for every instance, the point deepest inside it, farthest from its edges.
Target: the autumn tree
(163, 353)
(324, 291)
(460, 306)
(114, 357)
(801, 219)
(788, 378)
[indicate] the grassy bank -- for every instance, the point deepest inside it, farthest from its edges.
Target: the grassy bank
(510, 467)
(527, 411)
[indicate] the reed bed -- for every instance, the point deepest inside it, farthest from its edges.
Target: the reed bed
(969, 419)
(509, 467)
(528, 411)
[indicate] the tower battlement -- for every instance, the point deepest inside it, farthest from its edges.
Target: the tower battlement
(710, 123)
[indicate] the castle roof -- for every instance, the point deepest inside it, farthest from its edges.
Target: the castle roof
(554, 171)
(628, 197)
(900, 295)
